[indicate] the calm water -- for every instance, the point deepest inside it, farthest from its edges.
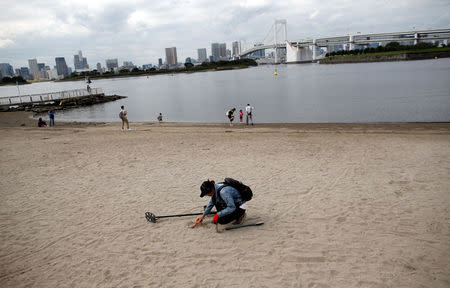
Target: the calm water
(414, 91)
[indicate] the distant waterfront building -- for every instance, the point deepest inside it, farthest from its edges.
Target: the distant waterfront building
(211, 58)
(99, 67)
(171, 56)
(236, 49)
(146, 66)
(223, 51)
(112, 64)
(25, 73)
(61, 67)
(6, 70)
(202, 57)
(128, 65)
(80, 62)
(160, 63)
(32, 63)
(188, 60)
(215, 51)
(53, 74)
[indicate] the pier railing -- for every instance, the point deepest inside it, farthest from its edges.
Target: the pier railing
(48, 97)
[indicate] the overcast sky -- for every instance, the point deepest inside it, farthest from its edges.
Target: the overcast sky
(139, 30)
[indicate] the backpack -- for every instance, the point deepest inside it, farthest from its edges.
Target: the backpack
(244, 190)
(120, 114)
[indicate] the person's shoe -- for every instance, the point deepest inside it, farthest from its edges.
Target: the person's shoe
(129, 129)
(241, 219)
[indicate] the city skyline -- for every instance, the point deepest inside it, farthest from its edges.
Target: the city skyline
(139, 32)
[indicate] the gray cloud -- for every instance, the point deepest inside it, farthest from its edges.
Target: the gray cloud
(138, 30)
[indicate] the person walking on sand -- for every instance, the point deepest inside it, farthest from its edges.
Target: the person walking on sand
(249, 111)
(159, 117)
(123, 115)
(51, 115)
(230, 115)
(241, 115)
(228, 202)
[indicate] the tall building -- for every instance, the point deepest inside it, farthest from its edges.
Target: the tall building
(160, 63)
(79, 61)
(112, 64)
(25, 73)
(223, 50)
(61, 67)
(171, 56)
(146, 66)
(215, 51)
(202, 57)
(236, 49)
(6, 70)
(99, 67)
(32, 63)
(128, 65)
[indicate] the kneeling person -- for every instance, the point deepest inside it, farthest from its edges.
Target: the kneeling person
(228, 202)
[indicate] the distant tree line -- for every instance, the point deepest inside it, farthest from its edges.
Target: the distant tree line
(391, 46)
(241, 63)
(13, 80)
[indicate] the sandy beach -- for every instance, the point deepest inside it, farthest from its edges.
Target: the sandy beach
(344, 205)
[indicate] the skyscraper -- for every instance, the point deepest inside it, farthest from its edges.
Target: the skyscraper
(171, 56)
(79, 61)
(111, 64)
(202, 57)
(99, 68)
(6, 69)
(215, 51)
(236, 49)
(61, 67)
(223, 50)
(160, 63)
(33, 67)
(25, 73)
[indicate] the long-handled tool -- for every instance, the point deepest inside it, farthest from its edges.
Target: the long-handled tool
(152, 217)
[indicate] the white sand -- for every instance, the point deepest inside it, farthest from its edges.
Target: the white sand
(343, 205)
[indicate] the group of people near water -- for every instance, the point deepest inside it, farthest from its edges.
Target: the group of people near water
(248, 112)
(123, 116)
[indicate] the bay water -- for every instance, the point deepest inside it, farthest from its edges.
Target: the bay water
(409, 91)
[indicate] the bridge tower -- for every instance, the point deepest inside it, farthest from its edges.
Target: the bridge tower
(281, 23)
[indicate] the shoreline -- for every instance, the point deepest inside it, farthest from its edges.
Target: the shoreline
(22, 119)
(383, 57)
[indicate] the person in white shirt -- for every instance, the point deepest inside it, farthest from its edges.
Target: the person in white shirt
(123, 115)
(249, 110)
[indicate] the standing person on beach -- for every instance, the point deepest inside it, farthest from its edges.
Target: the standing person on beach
(228, 202)
(160, 117)
(249, 110)
(241, 114)
(123, 115)
(51, 115)
(230, 115)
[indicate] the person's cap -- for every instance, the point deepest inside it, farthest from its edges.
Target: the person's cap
(205, 188)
